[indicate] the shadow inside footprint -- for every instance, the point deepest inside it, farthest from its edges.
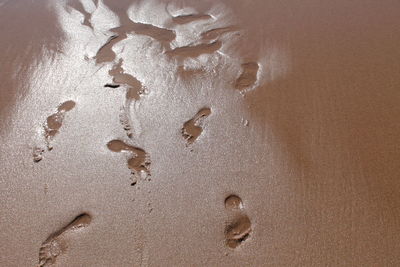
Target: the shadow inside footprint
(239, 228)
(237, 231)
(55, 244)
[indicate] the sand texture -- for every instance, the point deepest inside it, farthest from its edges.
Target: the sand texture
(199, 133)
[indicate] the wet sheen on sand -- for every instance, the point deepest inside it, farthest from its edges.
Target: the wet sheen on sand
(272, 129)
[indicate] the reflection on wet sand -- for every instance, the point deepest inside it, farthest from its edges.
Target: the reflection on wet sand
(23, 47)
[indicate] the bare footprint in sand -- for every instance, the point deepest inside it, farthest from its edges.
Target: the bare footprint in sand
(192, 129)
(248, 77)
(56, 244)
(55, 121)
(238, 229)
(51, 128)
(134, 90)
(138, 161)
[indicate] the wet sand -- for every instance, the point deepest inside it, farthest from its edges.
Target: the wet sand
(199, 133)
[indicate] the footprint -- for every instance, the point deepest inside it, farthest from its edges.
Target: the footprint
(192, 129)
(55, 121)
(51, 128)
(37, 154)
(56, 244)
(138, 163)
(133, 92)
(120, 77)
(183, 19)
(66, 106)
(238, 229)
(195, 51)
(248, 77)
(126, 121)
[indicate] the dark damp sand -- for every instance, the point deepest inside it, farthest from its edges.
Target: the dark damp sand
(298, 164)
(23, 44)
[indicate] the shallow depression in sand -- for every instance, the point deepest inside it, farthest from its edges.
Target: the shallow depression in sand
(57, 243)
(233, 202)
